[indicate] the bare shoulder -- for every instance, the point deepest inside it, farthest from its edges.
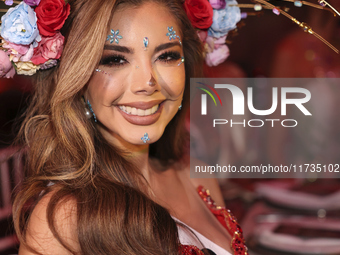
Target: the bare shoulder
(39, 235)
(208, 181)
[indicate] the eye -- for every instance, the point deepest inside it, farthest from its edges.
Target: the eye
(113, 60)
(169, 56)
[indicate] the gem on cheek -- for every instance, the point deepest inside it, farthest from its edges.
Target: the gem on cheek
(182, 61)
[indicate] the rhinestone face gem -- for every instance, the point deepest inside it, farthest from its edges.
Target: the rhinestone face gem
(114, 36)
(172, 34)
(145, 138)
(182, 61)
(145, 42)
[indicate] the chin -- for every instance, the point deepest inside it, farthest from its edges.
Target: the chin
(135, 137)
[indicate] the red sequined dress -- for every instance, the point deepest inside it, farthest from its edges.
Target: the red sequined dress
(227, 220)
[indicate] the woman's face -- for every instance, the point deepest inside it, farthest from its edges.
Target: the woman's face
(139, 87)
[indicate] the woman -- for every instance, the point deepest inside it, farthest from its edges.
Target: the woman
(118, 183)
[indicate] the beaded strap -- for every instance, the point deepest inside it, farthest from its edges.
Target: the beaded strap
(228, 220)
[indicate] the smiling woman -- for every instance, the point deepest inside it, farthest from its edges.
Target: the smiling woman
(130, 101)
(107, 168)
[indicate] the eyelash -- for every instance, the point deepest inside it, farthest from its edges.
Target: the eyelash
(113, 60)
(169, 56)
(119, 60)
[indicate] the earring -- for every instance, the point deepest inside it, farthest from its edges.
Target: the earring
(91, 110)
(180, 107)
(88, 114)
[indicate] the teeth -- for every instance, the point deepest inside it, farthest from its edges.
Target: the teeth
(139, 112)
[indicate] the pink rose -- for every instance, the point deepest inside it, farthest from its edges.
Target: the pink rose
(220, 40)
(214, 43)
(19, 52)
(217, 4)
(202, 34)
(6, 68)
(48, 48)
(32, 2)
(217, 56)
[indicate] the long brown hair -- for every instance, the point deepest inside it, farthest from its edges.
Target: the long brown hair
(114, 216)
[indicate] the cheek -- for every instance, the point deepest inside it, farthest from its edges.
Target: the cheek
(104, 89)
(172, 80)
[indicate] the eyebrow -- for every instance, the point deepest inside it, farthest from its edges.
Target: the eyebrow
(167, 46)
(124, 49)
(118, 48)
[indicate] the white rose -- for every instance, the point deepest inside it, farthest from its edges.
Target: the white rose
(26, 68)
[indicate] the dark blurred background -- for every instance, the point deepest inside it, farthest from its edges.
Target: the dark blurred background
(262, 46)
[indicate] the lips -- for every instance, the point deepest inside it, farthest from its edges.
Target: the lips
(141, 113)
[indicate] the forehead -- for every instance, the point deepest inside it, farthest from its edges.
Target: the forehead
(149, 19)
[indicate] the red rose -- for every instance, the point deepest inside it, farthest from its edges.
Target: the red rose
(199, 12)
(48, 48)
(51, 16)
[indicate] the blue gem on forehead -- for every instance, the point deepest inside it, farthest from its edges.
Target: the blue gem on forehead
(172, 34)
(145, 42)
(145, 138)
(114, 36)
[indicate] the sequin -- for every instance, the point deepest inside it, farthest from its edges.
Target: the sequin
(114, 36)
(228, 220)
(189, 250)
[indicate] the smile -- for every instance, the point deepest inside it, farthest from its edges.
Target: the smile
(139, 112)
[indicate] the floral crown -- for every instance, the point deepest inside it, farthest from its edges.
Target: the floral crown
(215, 19)
(31, 38)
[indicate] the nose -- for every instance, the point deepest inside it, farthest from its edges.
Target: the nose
(145, 81)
